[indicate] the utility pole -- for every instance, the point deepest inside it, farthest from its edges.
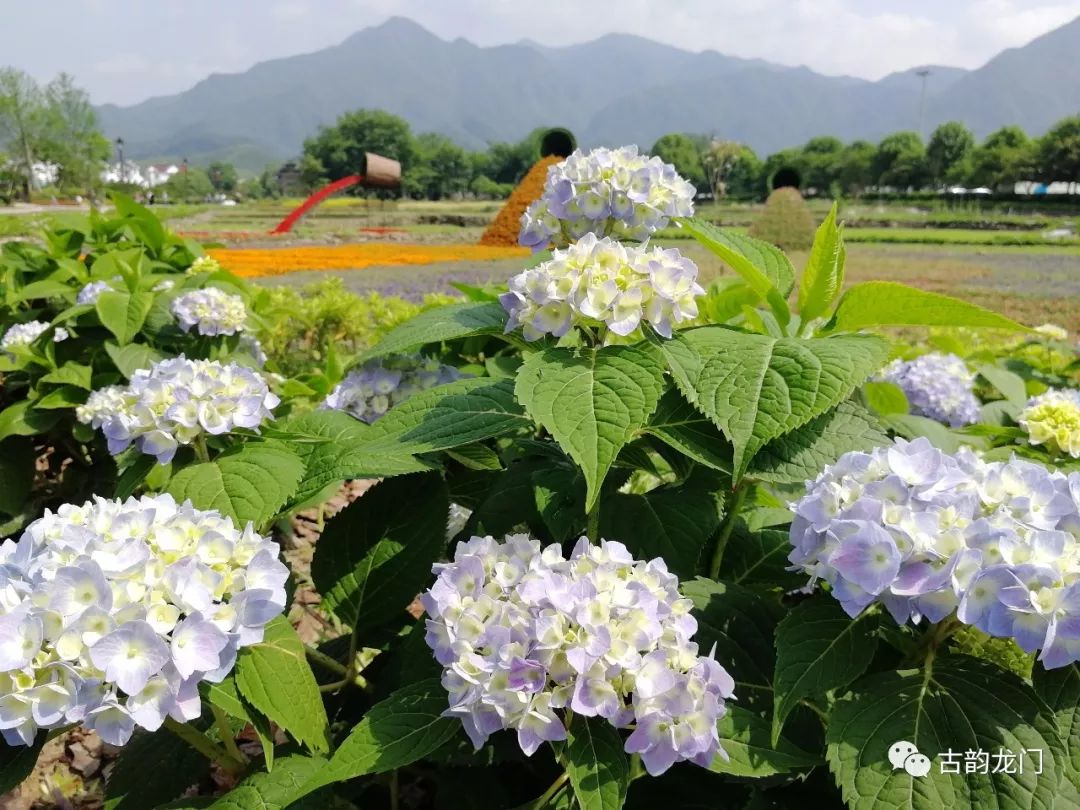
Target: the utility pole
(922, 73)
(120, 159)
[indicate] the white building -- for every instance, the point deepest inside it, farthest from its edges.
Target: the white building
(131, 172)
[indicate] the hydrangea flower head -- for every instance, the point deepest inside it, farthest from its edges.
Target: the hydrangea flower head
(204, 264)
(91, 292)
(210, 312)
(614, 192)
(113, 612)
(1052, 419)
(176, 401)
(926, 533)
(23, 334)
(523, 632)
(603, 283)
(371, 390)
(938, 386)
(1051, 331)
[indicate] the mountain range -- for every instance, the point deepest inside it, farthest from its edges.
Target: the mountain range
(614, 90)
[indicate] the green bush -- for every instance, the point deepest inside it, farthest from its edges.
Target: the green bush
(786, 221)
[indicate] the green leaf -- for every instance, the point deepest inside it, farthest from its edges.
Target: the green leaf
(962, 704)
(476, 457)
(451, 322)
(823, 277)
(395, 732)
(756, 388)
(335, 447)
(226, 696)
(22, 420)
(672, 522)
(274, 677)
(801, 455)
(559, 495)
(123, 313)
(885, 398)
(911, 426)
(888, 303)
(174, 764)
(17, 460)
(1060, 689)
(66, 396)
(759, 558)
(376, 555)
(596, 764)
(133, 475)
(679, 424)
(744, 736)
(129, 359)
(17, 762)
(763, 266)
(450, 415)
(1010, 385)
(272, 791)
(819, 648)
(70, 374)
(250, 484)
(592, 401)
(725, 298)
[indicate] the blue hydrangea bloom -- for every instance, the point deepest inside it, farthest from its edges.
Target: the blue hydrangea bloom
(938, 386)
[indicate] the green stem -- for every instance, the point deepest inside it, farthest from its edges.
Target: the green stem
(325, 661)
(592, 520)
(394, 790)
(225, 730)
(549, 794)
(927, 648)
(201, 743)
(201, 451)
(734, 505)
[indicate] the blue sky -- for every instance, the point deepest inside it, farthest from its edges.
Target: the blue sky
(126, 50)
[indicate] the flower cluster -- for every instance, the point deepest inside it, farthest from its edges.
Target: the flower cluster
(204, 264)
(938, 386)
(1051, 331)
(1053, 419)
(377, 386)
(603, 283)
(112, 612)
(23, 334)
(522, 632)
(606, 192)
(926, 533)
(91, 292)
(176, 401)
(210, 312)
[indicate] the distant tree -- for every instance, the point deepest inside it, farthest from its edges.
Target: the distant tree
(1058, 151)
(680, 151)
(312, 172)
(192, 185)
(508, 162)
(73, 141)
(223, 177)
(24, 121)
(900, 161)
(855, 167)
(442, 168)
(339, 149)
(1007, 155)
(949, 151)
(484, 186)
(792, 158)
(821, 159)
(731, 167)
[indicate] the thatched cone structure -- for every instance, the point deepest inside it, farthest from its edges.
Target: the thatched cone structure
(507, 223)
(786, 221)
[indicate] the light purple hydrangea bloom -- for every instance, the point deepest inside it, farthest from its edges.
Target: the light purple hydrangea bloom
(601, 282)
(210, 312)
(177, 400)
(91, 292)
(371, 390)
(926, 533)
(614, 192)
(113, 612)
(523, 632)
(938, 386)
(23, 334)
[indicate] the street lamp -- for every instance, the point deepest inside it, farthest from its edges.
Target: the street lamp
(120, 158)
(922, 74)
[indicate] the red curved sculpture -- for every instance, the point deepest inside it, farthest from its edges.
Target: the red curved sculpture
(377, 171)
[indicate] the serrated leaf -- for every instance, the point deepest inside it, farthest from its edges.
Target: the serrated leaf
(888, 303)
(592, 401)
(123, 313)
(818, 648)
(274, 677)
(559, 494)
(760, 558)
(70, 374)
(962, 704)
(823, 277)
(271, 791)
(251, 484)
(451, 322)
(376, 555)
(756, 388)
(226, 696)
(744, 736)
(596, 764)
(175, 766)
(395, 732)
(451, 415)
(476, 457)
(672, 522)
(1060, 689)
(885, 398)
(801, 455)
(129, 359)
(1010, 385)
(679, 424)
(17, 762)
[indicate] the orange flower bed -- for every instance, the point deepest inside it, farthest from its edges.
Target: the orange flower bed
(504, 229)
(252, 263)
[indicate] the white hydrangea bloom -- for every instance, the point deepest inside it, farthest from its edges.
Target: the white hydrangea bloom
(210, 312)
(176, 401)
(112, 612)
(607, 192)
(603, 283)
(23, 334)
(203, 264)
(1052, 419)
(371, 390)
(91, 292)
(1052, 331)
